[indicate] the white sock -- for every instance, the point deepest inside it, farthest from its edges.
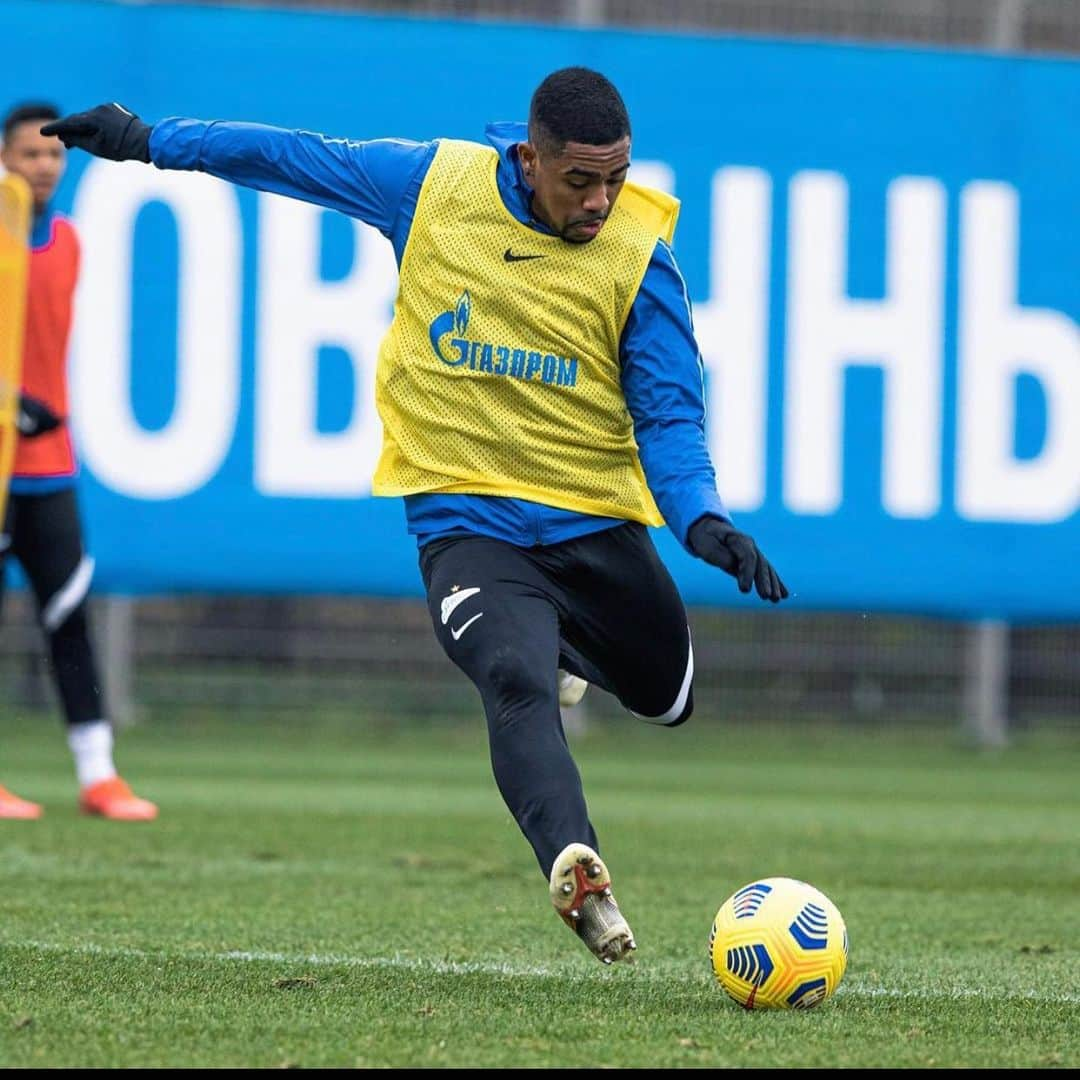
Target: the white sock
(92, 744)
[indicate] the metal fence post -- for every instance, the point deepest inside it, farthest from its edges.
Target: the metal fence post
(986, 690)
(987, 683)
(117, 638)
(586, 12)
(1006, 30)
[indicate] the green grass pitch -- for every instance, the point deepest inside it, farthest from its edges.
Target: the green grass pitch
(332, 891)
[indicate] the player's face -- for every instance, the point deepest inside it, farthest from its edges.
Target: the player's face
(38, 159)
(574, 192)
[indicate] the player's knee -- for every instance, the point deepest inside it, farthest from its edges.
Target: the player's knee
(664, 713)
(64, 613)
(514, 682)
(687, 710)
(73, 626)
(671, 699)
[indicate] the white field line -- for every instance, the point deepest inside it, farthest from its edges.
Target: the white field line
(850, 988)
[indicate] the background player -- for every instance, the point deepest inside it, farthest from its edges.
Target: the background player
(42, 527)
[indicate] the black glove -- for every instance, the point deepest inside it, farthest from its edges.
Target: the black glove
(35, 417)
(721, 544)
(109, 131)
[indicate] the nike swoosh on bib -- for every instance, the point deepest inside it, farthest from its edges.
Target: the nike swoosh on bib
(509, 256)
(451, 602)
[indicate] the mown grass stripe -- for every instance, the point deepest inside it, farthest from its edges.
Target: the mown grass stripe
(852, 986)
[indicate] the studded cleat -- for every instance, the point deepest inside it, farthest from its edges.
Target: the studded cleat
(581, 892)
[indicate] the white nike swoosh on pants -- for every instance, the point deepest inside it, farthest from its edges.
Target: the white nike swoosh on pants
(455, 634)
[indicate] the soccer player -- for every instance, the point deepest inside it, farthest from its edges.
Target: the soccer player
(541, 396)
(42, 524)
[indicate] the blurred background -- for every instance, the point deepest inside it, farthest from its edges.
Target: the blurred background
(880, 234)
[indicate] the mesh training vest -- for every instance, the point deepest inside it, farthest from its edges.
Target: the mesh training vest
(54, 272)
(500, 372)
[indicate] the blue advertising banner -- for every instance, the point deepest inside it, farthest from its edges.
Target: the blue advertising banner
(882, 247)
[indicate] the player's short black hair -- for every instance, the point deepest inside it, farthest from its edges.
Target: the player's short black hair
(29, 110)
(578, 105)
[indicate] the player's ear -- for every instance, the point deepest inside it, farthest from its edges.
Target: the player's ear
(528, 157)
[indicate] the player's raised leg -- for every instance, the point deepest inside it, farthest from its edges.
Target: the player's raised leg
(627, 630)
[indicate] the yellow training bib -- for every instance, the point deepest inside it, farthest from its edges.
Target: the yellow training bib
(500, 373)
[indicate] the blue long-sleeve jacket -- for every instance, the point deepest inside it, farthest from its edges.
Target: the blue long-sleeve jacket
(378, 182)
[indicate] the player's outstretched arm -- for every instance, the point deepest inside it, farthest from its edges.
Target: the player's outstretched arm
(719, 543)
(366, 180)
(107, 131)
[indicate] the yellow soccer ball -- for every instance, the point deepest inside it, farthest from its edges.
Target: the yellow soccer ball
(778, 943)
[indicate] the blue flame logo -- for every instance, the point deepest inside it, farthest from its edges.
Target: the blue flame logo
(461, 315)
(455, 322)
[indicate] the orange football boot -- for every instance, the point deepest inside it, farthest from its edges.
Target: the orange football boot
(11, 806)
(115, 800)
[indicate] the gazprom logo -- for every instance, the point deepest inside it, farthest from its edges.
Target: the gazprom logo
(452, 322)
(527, 364)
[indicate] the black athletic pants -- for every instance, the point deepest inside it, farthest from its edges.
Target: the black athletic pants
(602, 606)
(43, 533)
